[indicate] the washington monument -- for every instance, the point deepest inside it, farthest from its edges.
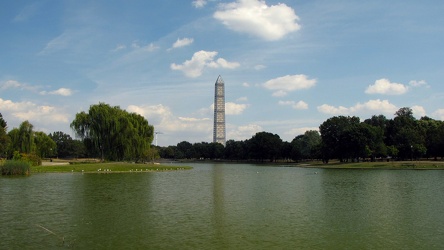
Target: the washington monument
(219, 111)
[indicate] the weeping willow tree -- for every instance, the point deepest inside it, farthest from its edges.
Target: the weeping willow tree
(22, 139)
(113, 132)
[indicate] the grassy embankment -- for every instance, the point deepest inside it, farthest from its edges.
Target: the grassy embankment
(419, 165)
(60, 166)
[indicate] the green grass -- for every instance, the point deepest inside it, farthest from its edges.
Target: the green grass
(382, 165)
(109, 167)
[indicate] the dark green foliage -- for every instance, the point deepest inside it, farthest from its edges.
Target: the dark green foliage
(265, 146)
(15, 167)
(306, 146)
(68, 147)
(114, 133)
(44, 145)
(22, 139)
(4, 138)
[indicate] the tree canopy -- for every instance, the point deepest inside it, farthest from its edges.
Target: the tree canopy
(4, 138)
(114, 133)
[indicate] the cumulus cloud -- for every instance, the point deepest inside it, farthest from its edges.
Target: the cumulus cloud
(385, 87)
(60, 91)
(174, 127)
(439, 114)
(418, 111)
(295, 105)
(283, 85)
(372, 106)
(182, 42)
(256, 18)
(201, 60)
(232, 108)
(33, 112)
(199, 3)
(243, 132)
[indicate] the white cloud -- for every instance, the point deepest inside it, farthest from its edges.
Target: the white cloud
(439, 114)
(174, 127)
(415, 83)
(384, 86)
(418, 111)
(256, 18)
(242, 99)
(13, 84)
(279, 93)
(201, 60)
(231, 108)
(119, 47)
(149, 47)
(288, 83)
(182, 42)
(199, 3)
(33, 112)
(300, 131)
(243, 132)
(192, 119)
(222, 63)
(295, 105)
(332, 110)
(259, 67)
(60, 91)
(372, 107)
(246, 84)
(155, 114)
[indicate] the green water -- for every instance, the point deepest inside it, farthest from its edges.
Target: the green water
(223, 206)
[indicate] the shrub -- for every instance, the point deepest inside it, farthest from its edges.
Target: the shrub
(15, 167)
(32, 158)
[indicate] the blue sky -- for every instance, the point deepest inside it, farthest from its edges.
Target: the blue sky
(287, 65)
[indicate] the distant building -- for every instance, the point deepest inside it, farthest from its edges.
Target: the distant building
(219, 112)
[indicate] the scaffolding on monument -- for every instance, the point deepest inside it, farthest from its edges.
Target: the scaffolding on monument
(219, 134)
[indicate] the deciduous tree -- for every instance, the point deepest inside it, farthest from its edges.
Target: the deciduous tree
(115, 133)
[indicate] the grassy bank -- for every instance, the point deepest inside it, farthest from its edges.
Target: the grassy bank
(424, 165)
(109, 167)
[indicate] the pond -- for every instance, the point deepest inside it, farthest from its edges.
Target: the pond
(225, 206)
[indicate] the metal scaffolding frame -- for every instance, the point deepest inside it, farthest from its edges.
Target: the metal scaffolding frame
(219, 134)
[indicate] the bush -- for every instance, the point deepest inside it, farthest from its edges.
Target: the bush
(32, 158)
(15, 167)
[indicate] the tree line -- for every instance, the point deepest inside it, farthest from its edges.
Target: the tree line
(105, 132)
(345, 138)
(113, 134)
